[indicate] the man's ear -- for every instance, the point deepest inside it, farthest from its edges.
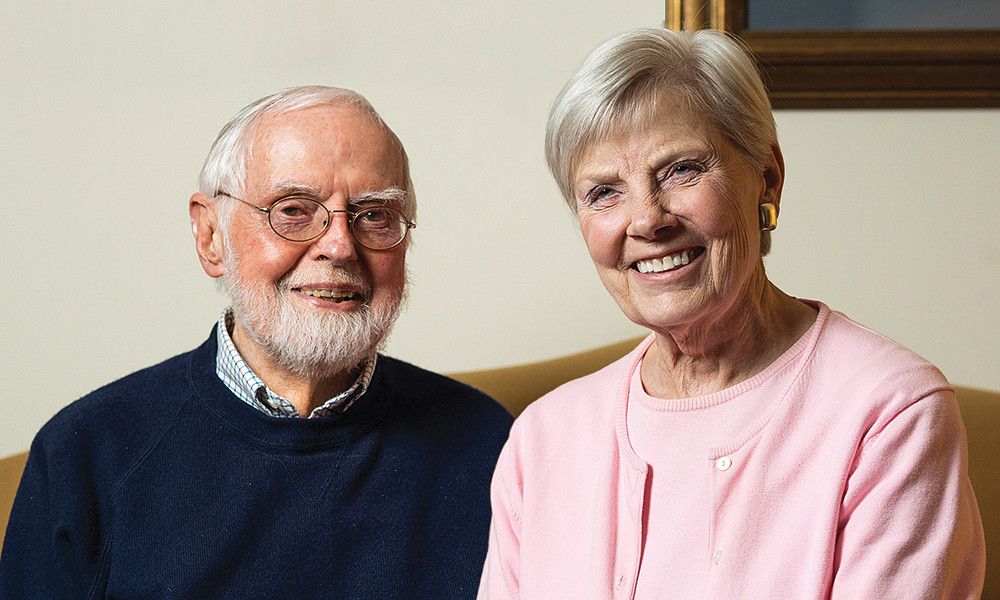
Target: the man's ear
(207, 235)
(774, 177)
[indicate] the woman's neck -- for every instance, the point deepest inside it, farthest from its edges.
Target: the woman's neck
(720, 352)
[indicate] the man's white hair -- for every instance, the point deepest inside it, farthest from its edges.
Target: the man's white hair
(225, 167)
(307, 344)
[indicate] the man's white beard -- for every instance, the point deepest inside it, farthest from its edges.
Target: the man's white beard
(310, 343)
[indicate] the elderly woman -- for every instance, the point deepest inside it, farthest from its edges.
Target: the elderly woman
(754, 445)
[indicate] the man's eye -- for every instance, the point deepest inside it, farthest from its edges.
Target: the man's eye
(294, 208)
(374, 216)
(291, 211)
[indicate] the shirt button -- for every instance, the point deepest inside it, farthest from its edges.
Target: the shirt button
(724, 463)
(265, 399)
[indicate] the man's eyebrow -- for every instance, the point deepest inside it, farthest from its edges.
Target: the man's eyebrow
(393, 195)
(292, 188)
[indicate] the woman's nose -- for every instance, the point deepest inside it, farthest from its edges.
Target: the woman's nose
(649, 216)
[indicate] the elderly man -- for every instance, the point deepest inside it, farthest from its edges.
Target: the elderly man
(284, 457)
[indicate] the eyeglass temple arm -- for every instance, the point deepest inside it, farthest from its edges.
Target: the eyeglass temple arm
(238, 199)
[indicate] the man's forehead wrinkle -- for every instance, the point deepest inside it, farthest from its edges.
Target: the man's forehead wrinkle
(316, 150)
(267, 143)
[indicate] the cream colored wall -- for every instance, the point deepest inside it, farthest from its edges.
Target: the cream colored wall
(109, 108)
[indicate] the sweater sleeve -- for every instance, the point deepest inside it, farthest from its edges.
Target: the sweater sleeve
(500, 572)
(52, 547)
(910, 527)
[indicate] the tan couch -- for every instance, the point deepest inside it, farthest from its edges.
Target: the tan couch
(518, 386)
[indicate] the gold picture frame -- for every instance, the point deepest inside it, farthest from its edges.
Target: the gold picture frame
(859, 69)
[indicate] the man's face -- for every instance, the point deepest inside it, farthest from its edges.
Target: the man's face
(323, 304)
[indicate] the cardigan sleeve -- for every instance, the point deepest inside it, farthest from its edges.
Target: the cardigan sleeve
(909, 526)
(52, 547)
(501, 569)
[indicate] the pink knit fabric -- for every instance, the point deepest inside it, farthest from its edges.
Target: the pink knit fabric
(847, 481)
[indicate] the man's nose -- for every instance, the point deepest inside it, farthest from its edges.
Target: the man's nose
(337, 243)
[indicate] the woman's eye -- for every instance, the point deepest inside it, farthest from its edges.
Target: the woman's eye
(684, 170)
(599, 195)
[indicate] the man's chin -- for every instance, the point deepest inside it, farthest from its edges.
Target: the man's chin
(318, 370)
(316, 344)
(311, 341)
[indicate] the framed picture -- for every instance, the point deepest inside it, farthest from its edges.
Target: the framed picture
(817, 55)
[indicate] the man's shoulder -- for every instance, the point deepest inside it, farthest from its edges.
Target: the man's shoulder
(165, 377)
(126, 410)
(441, 393)
(448, 411)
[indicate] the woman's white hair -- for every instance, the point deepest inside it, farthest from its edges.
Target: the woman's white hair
(623, 78)
(226, 165)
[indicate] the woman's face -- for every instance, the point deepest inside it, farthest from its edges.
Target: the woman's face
(669, 212)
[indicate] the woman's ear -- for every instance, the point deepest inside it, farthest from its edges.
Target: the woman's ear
(774, 177)
(208, 240)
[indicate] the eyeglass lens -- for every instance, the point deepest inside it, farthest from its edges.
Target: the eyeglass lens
(300, 219)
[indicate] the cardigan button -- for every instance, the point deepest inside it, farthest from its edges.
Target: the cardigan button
(724, 463)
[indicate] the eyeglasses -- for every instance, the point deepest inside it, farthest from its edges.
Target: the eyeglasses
(299, 219)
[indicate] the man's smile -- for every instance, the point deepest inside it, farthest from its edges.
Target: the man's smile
(331, 295)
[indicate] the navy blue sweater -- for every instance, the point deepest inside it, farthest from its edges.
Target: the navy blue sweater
(165, 485)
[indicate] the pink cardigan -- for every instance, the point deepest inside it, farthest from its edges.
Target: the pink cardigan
(853, 485)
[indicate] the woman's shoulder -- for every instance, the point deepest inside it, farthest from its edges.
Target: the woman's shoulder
(567, 429)
(858, 361)
(866, 348)
(584, 401)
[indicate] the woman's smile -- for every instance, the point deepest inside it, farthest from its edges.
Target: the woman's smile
(670, 262)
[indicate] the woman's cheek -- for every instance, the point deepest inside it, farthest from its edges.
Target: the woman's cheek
(600, 239)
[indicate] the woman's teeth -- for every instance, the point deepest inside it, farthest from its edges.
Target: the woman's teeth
(667, 263)
(331, 295)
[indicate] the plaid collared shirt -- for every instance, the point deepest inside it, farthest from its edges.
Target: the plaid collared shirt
(241, 380)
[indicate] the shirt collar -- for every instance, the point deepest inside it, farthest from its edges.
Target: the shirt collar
(242, 381)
